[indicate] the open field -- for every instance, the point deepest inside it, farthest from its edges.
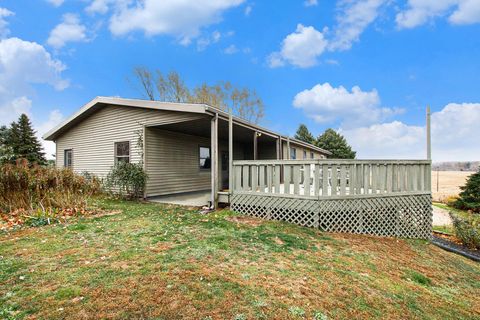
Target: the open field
(449, 183)
(152, 261)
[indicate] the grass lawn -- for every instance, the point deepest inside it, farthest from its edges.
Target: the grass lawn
(153, 261)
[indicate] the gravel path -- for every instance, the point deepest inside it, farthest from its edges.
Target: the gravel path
(441, 217)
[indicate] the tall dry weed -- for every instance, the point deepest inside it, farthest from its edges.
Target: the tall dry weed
(24, 187)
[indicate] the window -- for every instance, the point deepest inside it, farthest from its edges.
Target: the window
(304, 154)
(122, 151)
(205, 160)
(293, 153)
(311, 155)
(68, 158)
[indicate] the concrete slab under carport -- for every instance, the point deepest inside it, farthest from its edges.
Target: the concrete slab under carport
(189, 199)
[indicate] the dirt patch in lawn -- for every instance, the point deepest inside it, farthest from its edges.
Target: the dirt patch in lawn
(247, 220)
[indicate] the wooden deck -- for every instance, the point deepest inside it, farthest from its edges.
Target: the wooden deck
(380, 197)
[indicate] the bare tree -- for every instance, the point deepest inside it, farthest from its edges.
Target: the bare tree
(244, 102)
(145, 77)
(172, 88)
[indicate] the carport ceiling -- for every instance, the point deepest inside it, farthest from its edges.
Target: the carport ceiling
(201, 127)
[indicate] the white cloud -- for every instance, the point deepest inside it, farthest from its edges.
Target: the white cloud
(455, 133)
(180, 18)
(56, 3)
(23, 64)
(205, 41)
(4, 13)
(98, 6)
(310, 3)
(11, 109)
(354, 18)
(54, 118)
(467, 12)
(70, 30)
(300, 48)
(231, 49)
(248, 10)
(393, 140)
(420, 12)
(325, 103)
(303, 47)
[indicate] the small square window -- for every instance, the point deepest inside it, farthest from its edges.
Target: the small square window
(68, 158)
(205, 159)
(122, 151)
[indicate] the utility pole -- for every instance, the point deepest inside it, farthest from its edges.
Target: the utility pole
(429, 142)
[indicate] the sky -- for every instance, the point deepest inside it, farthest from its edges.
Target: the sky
(365, 68)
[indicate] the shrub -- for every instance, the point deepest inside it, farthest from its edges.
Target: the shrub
(127, 179)
(469, 198)
(33, 188)
(467, 230)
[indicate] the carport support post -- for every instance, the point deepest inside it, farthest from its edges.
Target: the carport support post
(214, 161)
(288, 149)
(255, 145)
(279, 147)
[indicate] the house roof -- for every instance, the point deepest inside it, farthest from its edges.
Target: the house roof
(99, 102)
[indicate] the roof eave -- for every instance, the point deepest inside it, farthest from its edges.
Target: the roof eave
(155, 105)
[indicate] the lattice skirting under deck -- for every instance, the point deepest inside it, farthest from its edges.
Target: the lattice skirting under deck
(405, 216)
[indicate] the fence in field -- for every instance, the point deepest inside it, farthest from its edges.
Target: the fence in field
(379, 197)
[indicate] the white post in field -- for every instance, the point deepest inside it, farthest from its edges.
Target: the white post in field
(429, 141)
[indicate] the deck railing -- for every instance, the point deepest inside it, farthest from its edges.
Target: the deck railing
(332, 178)
(379, 197)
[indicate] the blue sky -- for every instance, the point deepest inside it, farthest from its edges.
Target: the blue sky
(365, 68)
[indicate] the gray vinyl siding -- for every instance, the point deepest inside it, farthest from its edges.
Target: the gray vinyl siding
(172, 162)
(93, 139)
(300, 149)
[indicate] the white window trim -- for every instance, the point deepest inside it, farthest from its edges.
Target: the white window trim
(115, 151)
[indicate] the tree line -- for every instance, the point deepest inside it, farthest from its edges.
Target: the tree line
(18, 141)
(329, 140)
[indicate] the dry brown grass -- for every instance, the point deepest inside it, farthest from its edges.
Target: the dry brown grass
(449, 183)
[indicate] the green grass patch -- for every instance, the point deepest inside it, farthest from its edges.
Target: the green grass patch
(151, 261)
(417, 277)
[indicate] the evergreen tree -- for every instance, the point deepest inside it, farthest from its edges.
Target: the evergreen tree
(335, 143)
(469, 198)
(6, 152)
(24, 143)
(304, 135)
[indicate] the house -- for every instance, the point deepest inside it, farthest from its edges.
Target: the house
(178, 144)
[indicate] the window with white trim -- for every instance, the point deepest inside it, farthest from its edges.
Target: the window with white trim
(68, 158)
(122, 151)
(205, 160)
